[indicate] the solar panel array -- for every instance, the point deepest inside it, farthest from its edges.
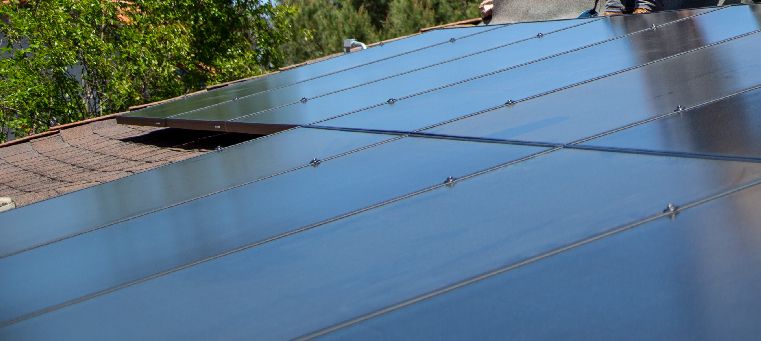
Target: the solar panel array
(591, 178)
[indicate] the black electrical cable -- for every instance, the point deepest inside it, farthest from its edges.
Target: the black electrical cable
(590, 13)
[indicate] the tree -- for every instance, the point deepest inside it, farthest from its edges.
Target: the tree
(68, 60)
(322, 25)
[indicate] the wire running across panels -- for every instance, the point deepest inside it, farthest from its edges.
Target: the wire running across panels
(347, 63)
(349, 267)
(689, 276)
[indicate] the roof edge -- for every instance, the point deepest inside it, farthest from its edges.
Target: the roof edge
(474, 21)
(56, 129)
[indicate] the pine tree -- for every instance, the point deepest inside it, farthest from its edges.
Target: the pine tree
(324, 24)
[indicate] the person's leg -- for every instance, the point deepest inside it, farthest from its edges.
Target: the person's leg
(613, 7)
(644, 6)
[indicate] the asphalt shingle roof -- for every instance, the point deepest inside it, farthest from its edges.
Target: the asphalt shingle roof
(96, 152)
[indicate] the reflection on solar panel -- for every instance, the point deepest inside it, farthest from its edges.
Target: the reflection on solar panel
(591, 177)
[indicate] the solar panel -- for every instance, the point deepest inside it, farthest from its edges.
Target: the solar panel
(145, 192)
(550, 76)
(477, 83)
(694, 276)
(323, 86)
(370, 260)
(440, 214)
(288, 110)
(619, 100)
(321, 69)
(726, 127)
(211, 225)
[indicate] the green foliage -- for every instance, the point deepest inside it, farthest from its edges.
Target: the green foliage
(409, 16)
(322, 25)
(68, 60)
(377, 10)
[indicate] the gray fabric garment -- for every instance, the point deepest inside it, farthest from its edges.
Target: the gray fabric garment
(628, 6)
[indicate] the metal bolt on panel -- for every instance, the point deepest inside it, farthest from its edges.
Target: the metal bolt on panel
(450, 181)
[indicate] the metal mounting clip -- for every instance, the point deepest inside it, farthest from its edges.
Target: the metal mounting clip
(450, 181)
(672, 209)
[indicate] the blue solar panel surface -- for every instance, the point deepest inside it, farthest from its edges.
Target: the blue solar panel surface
(597, 180)
(693, 276)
